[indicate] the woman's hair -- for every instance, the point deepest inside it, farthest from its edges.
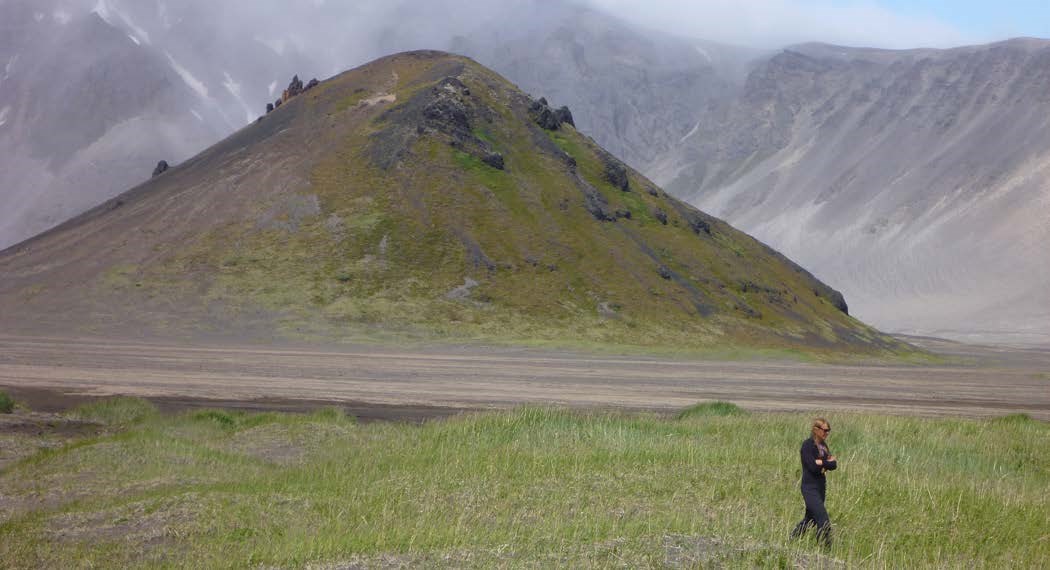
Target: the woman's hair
(818, 423)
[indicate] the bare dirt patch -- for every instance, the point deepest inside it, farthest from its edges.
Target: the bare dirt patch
(144, 522)
(69, 480)
(381, 98)
(19, 496)
(282, 444)
(25, 432)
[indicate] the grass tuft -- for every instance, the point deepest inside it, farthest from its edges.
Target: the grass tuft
(707, 409)
(332, 414)
(7, 405)
(223, 419)
(1015, 419)
(118, 411)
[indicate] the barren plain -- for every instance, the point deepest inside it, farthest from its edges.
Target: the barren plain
(414, 383)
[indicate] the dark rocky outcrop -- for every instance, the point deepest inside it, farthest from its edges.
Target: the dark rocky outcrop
(493, 159)
(475, 254)
(447, 114)
(771, 295)
(593, 200)
(295, 87)
(547, 118)
(447, 111)
(616, 174)
(835, 298)
(161, 168)
(447, 108)
(564, 115)
(660, 215)
(695, 219)
(702, 224)
(747, 310)
(839, 302)
(699, 225)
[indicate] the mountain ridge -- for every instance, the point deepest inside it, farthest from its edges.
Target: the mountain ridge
(903, 180)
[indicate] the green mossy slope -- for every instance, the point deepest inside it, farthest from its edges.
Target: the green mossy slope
(379, 212)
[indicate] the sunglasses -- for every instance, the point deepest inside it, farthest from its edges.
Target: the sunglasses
(825, 430)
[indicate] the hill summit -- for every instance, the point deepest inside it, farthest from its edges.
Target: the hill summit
(421, 195)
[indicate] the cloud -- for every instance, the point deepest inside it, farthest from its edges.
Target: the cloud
(776, 23)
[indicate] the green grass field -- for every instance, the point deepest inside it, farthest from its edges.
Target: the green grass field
(538, 488)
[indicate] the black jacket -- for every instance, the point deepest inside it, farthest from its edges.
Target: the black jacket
(813, 474)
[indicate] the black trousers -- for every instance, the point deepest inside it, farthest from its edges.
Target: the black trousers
(816, 515)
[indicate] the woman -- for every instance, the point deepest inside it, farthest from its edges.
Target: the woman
(816, 460)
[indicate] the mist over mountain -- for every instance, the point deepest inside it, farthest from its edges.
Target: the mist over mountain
(83, 112)
(124, 84)
(637, 91)
(91, 99)
(911, 180)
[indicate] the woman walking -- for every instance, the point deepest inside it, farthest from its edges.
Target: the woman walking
(816, 461)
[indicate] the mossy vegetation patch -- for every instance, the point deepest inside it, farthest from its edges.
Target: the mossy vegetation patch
(7, 404)
(707, 409)
(122, 411)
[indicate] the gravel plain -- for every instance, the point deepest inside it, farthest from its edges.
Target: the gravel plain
(387, 382)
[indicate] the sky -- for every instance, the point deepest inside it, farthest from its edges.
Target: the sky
(872, 23)
(1010, 18)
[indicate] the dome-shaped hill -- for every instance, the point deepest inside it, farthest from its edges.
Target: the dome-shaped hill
(419, 195)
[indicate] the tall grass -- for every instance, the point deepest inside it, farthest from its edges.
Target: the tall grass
(7, 405)
(118, 411)
(533, 487)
